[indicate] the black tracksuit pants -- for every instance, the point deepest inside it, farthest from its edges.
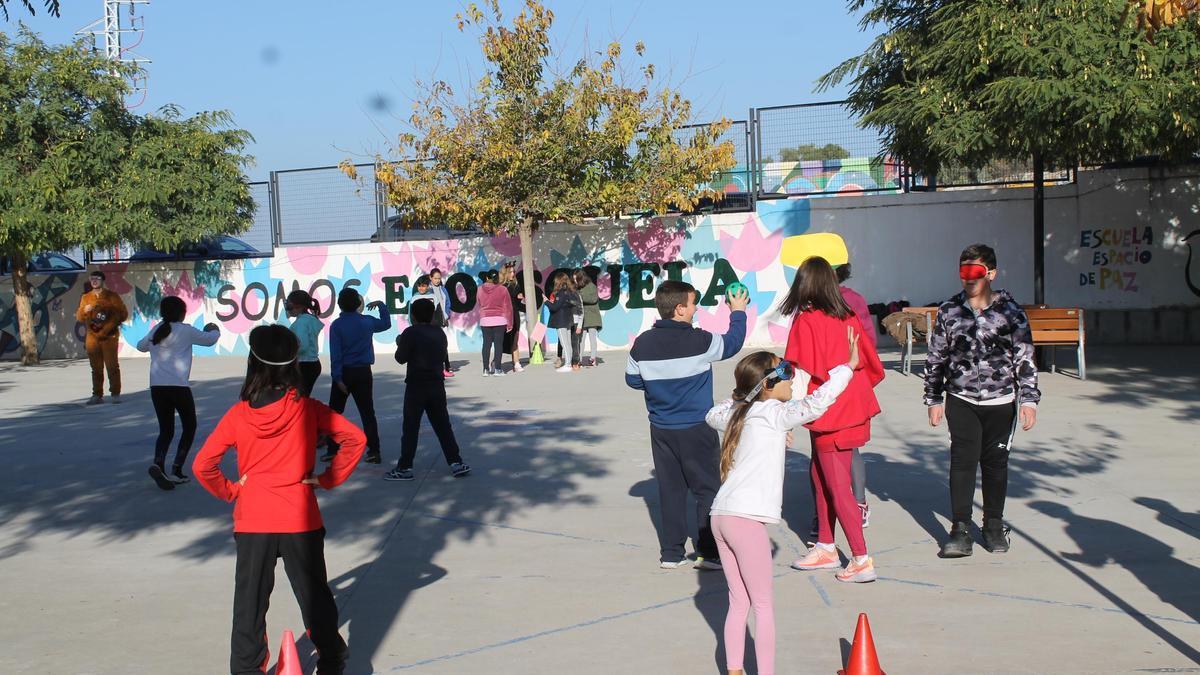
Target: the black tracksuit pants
(686, 460)
(309, 372)
(167, 401)
(421, 398)
(303, 556)
(361, 386)
(980, 436)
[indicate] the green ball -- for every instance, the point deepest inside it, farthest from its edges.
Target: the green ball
(736, 288)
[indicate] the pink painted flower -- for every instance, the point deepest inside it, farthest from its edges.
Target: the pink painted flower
(507, 246)
(750, 251)
(394, 263)
(114, 278)
(656, 241)
(307, 260)
(440, 254)
(717, 319)
(192, 296)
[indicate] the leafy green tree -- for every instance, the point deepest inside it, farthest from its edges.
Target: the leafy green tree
(52, 6)
(811, 152)
(78, 169)
(531, 145)
(1064, 82)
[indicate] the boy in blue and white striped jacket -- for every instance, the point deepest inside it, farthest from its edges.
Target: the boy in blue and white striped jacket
(672, 364)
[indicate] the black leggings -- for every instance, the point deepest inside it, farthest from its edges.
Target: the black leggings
(309, 372)
(167, 401)
(493, 340)
(979, 439)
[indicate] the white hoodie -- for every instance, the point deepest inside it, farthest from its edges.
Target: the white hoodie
(754, 487)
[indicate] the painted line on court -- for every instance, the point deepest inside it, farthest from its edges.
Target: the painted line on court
(563, 535)
(821, 591)
(721, 590)
(553, 631)
(1042, 601)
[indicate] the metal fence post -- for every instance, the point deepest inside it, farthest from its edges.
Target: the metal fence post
(381, 207)
(758, 153)
(276, 224)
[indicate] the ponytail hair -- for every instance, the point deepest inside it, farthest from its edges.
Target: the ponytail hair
(299, 298)
(172, 309)
(749, 372)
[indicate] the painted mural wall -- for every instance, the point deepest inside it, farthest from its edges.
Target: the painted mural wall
(1114, 240)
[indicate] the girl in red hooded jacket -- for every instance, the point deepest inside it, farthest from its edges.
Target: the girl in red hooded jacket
(817, 344)
(275, 515)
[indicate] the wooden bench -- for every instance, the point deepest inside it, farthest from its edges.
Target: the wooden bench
(911, 339)
(1051, 327)
(1058, 327)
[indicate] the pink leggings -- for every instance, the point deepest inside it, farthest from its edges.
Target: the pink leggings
(835, 499)
(746, 556)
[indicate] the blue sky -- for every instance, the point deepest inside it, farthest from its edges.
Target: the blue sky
(317, 82)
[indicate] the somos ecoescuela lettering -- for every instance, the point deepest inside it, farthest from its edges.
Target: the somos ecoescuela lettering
(257, 302)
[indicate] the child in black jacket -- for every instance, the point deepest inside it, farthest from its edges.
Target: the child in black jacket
(423, 347)
(563, 304)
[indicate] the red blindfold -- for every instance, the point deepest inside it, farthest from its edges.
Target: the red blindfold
(972, 271)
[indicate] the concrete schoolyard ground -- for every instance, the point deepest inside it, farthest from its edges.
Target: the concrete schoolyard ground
(544, 559)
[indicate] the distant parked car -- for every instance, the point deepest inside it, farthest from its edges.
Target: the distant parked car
(394, 229)
(45, 263)
(223, 247)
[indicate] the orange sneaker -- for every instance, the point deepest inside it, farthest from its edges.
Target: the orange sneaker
(858, 573)
(818, 559)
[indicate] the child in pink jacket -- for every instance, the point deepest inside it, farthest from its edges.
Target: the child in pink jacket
(495, 319)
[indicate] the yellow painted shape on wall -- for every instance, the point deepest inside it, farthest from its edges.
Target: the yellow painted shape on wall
(801, 247)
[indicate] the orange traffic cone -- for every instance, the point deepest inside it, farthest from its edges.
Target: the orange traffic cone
(289, 659)
(863, 660)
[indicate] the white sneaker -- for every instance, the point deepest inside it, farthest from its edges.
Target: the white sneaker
(517, 368)
(564, 369)
(487, 374)
(674, 564)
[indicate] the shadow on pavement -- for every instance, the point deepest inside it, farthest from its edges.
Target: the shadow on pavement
(99, 457)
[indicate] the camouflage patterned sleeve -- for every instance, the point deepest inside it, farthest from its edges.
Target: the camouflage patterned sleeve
(1024, 365)
(935, 361)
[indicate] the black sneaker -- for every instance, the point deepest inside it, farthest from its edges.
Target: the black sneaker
(178, 477)
(160, 477)
(459, 469)
(399, 474)
(959, 543)
(995, 535)
(373, 458)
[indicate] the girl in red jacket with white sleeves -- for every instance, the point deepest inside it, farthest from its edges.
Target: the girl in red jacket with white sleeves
(275, 515)
(817, 344)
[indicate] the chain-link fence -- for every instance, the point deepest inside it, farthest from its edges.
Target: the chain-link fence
(256, 242)
(819, 149)
(324, 205)
(1001, 172)
(813, 149)
(736, 179)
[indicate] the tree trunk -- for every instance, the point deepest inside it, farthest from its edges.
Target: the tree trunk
(1039, 229)
(21, 298)
(525, 231)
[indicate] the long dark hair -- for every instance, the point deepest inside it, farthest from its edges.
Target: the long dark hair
(172, 308)
(581, 279)
(278, 345)
(816, 288)
(562, 282)
(749, 372)
(299, 298)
